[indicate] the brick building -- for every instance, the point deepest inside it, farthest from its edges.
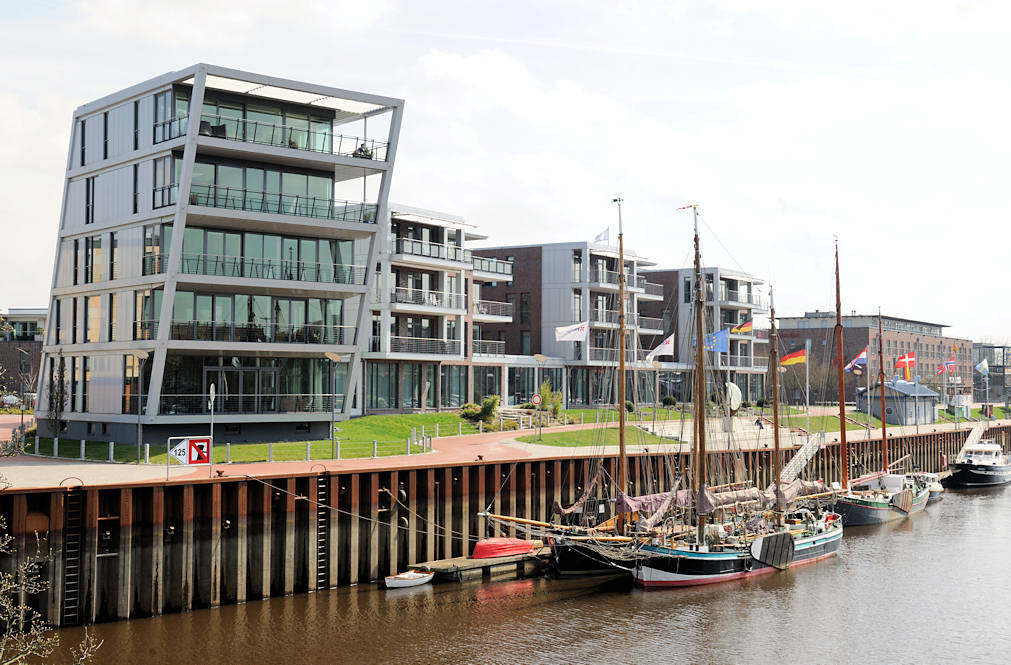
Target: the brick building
(927, 340)
(21, 349)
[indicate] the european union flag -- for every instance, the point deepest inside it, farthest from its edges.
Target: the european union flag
(717, 341)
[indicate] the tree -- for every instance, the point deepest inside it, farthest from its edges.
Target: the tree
(56, 396)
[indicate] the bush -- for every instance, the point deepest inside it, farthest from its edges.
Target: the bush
(470, 411)
(529, 406)
(489, 408)
(668, 400)
(630, 407)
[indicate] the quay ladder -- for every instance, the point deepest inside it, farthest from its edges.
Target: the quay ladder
(72, 537)
(800, 460)
(322, 532)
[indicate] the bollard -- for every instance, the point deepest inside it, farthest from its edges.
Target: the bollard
(437, 430)
(409, 445)
(500, 421)
(480, 427)
(429, 444)
(307, 452)
(270, 451)
(82, 448)
(337, 446)
(580, 417)
(422, 431)
(147, 453)
(112, 451)
(375, 448)
(56, 446)
(414, 434)
(36, 444)
(459, 429)
(596, 417)
(228, 452)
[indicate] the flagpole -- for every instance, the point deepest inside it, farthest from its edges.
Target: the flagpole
(916, 401)
(807, 384)
(869, 397)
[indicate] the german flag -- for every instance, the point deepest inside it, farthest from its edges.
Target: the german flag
(797, 357)
(744, 328)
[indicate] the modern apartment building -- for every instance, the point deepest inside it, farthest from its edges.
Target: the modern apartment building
(218, 227)
(998, 360)
(932, 347)
(21, 350)
(558, 284)
(732, 298)
(429, 348)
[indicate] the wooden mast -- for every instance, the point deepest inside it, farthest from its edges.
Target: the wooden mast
(699, 390)
(774, 372)
(881, 379)
(844, 456)
(622, 455)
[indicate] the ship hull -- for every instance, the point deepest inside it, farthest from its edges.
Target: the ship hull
(683, 568)
(574, 561)
(978, 475)
(858, 512)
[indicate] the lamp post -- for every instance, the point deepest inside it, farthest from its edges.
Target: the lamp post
(334, 358)
(210, 446)
(23, 382)
(541, 359)
(141, 357)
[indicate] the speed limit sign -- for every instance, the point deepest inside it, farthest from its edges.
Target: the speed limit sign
(536, 400)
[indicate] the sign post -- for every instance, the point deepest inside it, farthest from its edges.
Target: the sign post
(188, 450)
(536, 399)
(210, 459)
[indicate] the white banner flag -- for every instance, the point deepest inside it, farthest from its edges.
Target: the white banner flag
(603, 236)
(579, 332)
(666, 348)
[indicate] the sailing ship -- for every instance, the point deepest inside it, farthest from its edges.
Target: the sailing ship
(881, 496)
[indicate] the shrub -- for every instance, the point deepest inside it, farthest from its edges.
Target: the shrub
(530, 406)
(470, 411)
(489, 408)
(760, 403)
(669, 400)
(630, 407)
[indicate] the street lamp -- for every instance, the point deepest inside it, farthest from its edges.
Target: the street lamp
(541, 359)
(28, 357)
(334, 358)
(141, 355)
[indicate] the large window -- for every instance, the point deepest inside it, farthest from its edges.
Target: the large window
(487, 381)
(89, 200)
(524, 308)
(454, 385)
(93, 259)
(111, 335)
(93, 318)
(553, 375)
(261, 188)
(164, 182)
(147, 309)
(381, 385)
(157, 241)
(521, 384)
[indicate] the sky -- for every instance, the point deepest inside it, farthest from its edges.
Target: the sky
(788, 123)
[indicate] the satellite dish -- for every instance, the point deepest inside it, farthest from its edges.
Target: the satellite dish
(733, 396)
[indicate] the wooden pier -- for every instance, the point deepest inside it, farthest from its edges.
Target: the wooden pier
(461, 568)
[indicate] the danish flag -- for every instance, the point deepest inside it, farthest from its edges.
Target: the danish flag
(907, 360)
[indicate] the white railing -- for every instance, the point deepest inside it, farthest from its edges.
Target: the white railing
(493, 308)
(447, 347)
(409, 296)
(489, 347)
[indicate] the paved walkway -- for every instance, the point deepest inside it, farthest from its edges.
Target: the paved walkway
(29, 472)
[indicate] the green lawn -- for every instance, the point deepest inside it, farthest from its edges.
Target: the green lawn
(595, 437)
(998, 412)
(861, 416)
(818, 423)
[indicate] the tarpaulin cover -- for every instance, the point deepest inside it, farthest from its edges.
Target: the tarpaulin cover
(556, 507)
(648, 502)
(493, 547)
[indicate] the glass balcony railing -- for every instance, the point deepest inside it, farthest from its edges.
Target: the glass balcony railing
(170, 129)
(489, 347)
(653, 289)
(496, 266)
(409, 296)
(145, 330)
(301, 271)
(432, 250)
(450, 347)
(650, 323)
(170, 405)
(493, 308)
(153, 264)
(275, 333)
(232, 198)
(265, 133)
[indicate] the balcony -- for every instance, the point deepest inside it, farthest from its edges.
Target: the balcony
(600, 276)
(153, 264)
(300, 271)
(493, 268)
(431, 250)
(173, 405)
(489, 347)
(428, 345)
(730, 296)
(279, 136)
(744, 361)
(232, 198)
(604, 316)
(650, 323)
(652, 291)
(408, 296)
(491, 310)
(145, 330)
(611, 355)
(170, 129)
(272, 333)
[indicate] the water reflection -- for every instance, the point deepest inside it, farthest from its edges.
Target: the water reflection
(926, 589)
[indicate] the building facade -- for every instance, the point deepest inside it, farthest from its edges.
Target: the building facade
(558, 284)
(998, 360)
(218, 228)
(900, 336)
(21, 350)
(732, 299)
(429, 347)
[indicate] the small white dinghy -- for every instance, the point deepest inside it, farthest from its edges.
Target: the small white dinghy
(408, 579)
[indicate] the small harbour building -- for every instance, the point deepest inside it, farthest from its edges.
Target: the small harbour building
(906, 402)
(218, 227)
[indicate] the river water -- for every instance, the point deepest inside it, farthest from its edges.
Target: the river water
(935, 588)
